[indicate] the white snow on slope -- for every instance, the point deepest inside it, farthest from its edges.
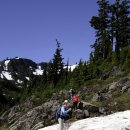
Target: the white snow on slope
(116, 121)
(17, 58)
(7, 75)
(1, 75)
(27, 78)
(38, 71)
(72, 67)
(6, 64)
(4, 73)
(19, 81)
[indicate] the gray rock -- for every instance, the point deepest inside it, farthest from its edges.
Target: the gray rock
(119, 83)
(96, 97)
(30, 120)
(125, 89)
(103, 110)
(38, 126)
(90, 107)
(86, 113)
(113, 72)
(79, 114)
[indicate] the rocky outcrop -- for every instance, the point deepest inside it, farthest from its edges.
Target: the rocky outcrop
(122, 85)
(25, 117)
(113, 72)
(32, 119)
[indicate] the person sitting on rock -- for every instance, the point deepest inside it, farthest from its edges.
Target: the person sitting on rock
(71, 93)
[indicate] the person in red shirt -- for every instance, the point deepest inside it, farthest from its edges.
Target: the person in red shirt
(75, 102)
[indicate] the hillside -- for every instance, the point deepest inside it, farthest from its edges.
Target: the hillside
(99, 97)
(18, 77)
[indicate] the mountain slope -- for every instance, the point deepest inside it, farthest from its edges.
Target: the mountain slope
(19, 68)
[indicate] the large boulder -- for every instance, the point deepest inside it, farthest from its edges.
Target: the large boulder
(25, 117)
(90, 107)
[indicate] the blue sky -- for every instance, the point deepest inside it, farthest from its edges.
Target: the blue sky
(29, 28)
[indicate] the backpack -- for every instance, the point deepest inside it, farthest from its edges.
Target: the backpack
(62, 116)
(80, 105)
(58, 113)
(75, 99)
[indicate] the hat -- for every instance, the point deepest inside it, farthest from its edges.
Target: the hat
(66, 101)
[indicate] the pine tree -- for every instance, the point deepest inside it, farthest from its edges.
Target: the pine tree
(117, 27)
(50, 72)
(102, 46)
(44, 75)
(57, 65)
(120, 25)
(66, 73)
(125, 23)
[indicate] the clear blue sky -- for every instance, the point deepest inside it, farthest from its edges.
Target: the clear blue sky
(28, 28)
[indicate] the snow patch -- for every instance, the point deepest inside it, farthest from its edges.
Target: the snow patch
(39, 67)
(27, 78)
(38, 71)
(1, 75)
(72, 67)
(116, 121)
(19, 81)
(17, 57)
(19, 86)
(7, 75)
(6, 65)
(7, 62)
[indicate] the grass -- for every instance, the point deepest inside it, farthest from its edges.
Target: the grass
(123, 101)
(2, 128)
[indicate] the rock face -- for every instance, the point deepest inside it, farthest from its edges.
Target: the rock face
(122, 85)
(32, 119)
(106, 95)
(25, 117)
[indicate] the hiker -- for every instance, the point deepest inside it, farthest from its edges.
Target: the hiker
(71, 93)
(64, 114)
(75, 102)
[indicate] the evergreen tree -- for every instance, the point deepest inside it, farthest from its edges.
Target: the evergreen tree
(102, 46)
(125, 23)
(44, 75)
(117, 27)
(66, 73)
(120, 25)
(112, 23)
(50, 72)
(56, 66)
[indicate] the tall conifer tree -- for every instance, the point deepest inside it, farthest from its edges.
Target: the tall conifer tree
(102, 46)
(58, 64)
